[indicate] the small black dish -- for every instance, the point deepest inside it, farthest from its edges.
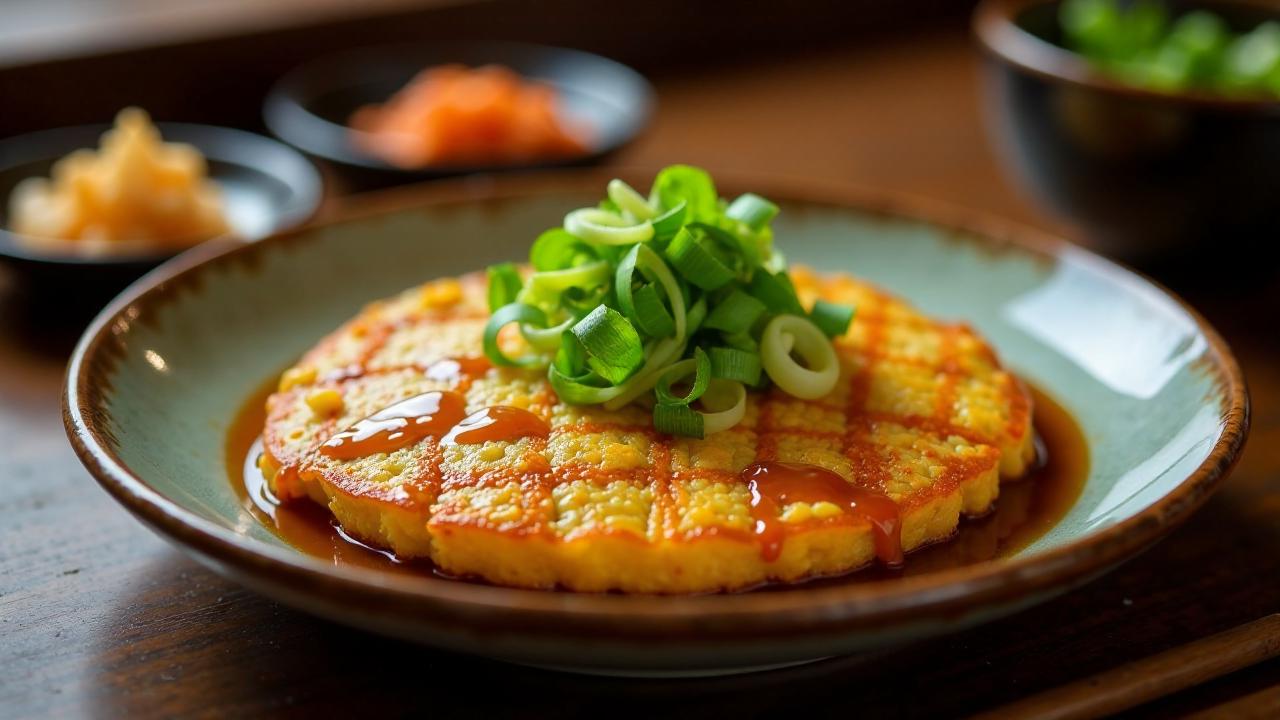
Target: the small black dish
(266, 185)
(310, 106)
(1152, 177)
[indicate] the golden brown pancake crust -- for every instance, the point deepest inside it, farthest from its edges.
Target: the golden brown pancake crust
(923, 412)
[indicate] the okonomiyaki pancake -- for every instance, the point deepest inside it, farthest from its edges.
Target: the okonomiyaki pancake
(586, 499)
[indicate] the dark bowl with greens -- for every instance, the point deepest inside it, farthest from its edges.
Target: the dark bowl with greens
(1153, 125)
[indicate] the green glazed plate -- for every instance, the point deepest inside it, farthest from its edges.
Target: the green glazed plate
(161, 373)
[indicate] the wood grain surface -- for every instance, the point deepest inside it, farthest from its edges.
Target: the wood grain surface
(1151, 677)
(100, 618)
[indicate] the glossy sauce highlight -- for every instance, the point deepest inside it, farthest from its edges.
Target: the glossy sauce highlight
(500, 422)
(1026, 510)
(774, 485)
(399, 425)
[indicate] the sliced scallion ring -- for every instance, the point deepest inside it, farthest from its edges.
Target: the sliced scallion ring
(553, 282)
(505, 315)
(605, 228)
(545, 338)
(504, 285)
(557, 249)
(576, 391)
(787, 334)
(699, 366)
(724, 405)
(628, 200)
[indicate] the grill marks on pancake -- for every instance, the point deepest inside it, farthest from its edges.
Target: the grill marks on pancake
(870, 460)
(864, 456)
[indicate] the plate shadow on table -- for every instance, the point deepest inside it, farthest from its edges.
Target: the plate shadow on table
(157, 649)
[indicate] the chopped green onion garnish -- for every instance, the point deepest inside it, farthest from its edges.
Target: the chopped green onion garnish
(679, 297)
(1140, 42)
(741, 248)
(571, 359)
(641, 258)
(736, 313)
(557, 249)
(513, 313)
(753, 210)
(697, 314)
(661, 355)
(691, 185)
(788, 334)
(691, 253)
(504, 285)
(577, 391)
(629, 201)
(775, 292)
(551, 283)
(733, 364)
(651, 315)
(677, 420)
(612, 344)
(579, 301)
(545, 338)
(699, 366)
(724, 405)
(606, 228)
(741, 341)
(832, 319)
(666, 225)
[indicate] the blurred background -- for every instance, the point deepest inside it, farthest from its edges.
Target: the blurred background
(1139, 153)
(741, 85)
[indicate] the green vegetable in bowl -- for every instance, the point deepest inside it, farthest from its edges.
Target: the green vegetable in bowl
(1137, 43)
(678, 297)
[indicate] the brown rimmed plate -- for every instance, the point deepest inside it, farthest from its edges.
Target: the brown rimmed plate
(158, 378)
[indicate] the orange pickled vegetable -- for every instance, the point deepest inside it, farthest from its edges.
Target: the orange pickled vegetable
(454, 115)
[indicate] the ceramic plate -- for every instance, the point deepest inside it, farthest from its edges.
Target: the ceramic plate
(161, 373)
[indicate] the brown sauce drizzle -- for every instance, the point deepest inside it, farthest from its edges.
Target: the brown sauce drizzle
(774, 485)
(398, 425)
(1026, 510)
(459, 368)
(499, 422)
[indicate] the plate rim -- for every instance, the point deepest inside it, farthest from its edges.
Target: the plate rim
(945, 595)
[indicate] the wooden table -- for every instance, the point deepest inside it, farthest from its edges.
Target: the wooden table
(99, 617)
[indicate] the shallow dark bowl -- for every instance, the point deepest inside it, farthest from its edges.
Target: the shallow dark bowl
(1146, 174)
(266, 185)
(309, 107)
